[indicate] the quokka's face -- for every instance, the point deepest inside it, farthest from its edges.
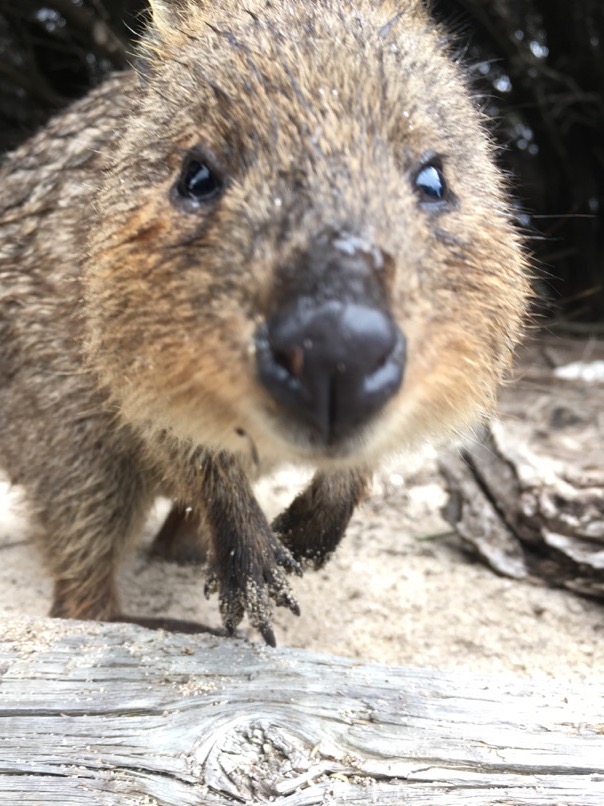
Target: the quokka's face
(304, 242)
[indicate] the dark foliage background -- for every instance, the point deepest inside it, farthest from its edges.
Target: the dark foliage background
(539, 65)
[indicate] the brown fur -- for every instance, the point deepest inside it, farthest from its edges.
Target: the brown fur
(126, 325)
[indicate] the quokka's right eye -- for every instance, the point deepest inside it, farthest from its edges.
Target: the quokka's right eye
(199, 183)
(430, 184)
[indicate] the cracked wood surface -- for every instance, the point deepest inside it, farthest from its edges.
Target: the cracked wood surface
(116, 714)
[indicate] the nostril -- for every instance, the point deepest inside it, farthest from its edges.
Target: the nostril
(381, 361)
(386, 375)
(292, 360)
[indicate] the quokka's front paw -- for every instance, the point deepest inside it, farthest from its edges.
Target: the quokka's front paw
(315, 521)
(252, 579)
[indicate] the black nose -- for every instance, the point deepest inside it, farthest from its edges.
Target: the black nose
(331, 366)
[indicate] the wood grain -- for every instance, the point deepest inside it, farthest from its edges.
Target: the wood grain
(116, 714)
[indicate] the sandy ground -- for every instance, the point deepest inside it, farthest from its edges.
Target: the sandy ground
(400, 590)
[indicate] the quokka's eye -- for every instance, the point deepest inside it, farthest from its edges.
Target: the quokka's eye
(199, 182)
(430, 184)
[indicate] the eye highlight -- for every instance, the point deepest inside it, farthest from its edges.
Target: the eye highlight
(430, 184)
(199, 183)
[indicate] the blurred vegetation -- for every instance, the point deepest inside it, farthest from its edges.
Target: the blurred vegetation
(53, 52)
(540, 67)
(538, 64)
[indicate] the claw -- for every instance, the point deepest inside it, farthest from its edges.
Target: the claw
(232, 611)
(292, 566)
(293, 606)
(267, 633)
(283, 598)
(286, 559)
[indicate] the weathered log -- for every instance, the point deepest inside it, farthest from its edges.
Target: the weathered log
(528, 516)
(528, 494)
(116, 714)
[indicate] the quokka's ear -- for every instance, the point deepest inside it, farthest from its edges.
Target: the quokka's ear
(168, 17)
(169, 28)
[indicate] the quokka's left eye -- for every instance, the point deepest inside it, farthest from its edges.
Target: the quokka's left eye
(430, 184)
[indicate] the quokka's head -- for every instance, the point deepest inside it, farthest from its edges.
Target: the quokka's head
(303, 237)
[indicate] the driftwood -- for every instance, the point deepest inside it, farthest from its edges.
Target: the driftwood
(115, 714)
(528, 515)
(528, 494)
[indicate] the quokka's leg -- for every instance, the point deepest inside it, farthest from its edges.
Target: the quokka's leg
(315, 522)
(250, 564)
(86, 512)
